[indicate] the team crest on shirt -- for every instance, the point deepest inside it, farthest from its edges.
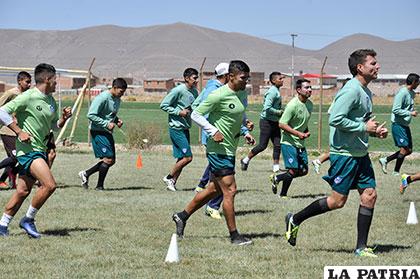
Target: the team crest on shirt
(184, 150)
(231, 106)
(39, 108)
(338, 180)
(103, 149)
(290, 160)
(401, 140)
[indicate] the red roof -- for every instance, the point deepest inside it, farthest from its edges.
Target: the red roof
(317, 76)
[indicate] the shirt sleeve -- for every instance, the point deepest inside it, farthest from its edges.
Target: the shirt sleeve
(397, 107)
(208, 104)
(168, 103)
(287, 114)
(94, 112)
(344, 102)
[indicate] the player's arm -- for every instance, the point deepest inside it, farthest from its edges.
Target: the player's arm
(17, 105)
(198, 116)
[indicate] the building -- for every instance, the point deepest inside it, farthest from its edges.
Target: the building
(158, 85)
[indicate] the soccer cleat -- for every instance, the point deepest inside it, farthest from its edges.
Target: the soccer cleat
(180, 225)
(170, 184)
(4, 231)
(283, 197)
(365, 252)
(394, 173)
(274, 183)
(4, 186)
(276, 168)
(383, 163)
(291, 230)
(244, 166)
(84, 178)
(213, 213)
(28, 225)
(241, 240)
(404, 183)
(99, 188)
(317, 166)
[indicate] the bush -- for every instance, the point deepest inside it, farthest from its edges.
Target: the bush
(143, 136)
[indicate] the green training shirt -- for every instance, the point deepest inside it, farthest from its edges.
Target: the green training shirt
(179, 98)
(102, 111)
(225, 108)
(36, 114)
(272, 105)
(296, 115)
(403, 106)
(352, 108)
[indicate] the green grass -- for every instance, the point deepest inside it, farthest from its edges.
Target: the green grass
(149, 113)
(124, 232)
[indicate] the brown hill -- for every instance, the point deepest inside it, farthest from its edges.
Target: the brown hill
(165, 50)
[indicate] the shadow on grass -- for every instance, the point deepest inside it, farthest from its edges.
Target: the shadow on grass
(66, 232)
(63, 186)
(248, 190)
(411, 199)
(248, 212)
(262, 235)
(378, 248)
(128, 188)
(186, 189)
(309, 196)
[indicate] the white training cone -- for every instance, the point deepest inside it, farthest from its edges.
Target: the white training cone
(173, 255)
(412, 215)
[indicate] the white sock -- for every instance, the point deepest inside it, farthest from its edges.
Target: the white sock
(245, 160)
(5, 220)
(31, 212)
(276, 167)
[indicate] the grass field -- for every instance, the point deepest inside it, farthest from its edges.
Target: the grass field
(134, 113)
(124, 232)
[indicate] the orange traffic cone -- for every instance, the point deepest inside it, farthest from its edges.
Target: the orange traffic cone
(139, 161)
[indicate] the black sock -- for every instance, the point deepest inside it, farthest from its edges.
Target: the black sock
(392, 157)
(234, 234)
(103, 170)
(4, 175)
(93, 169)
(286, 184)
(317, 207)
(364, 219)
(169, 176)
(398, 164)
(283, 176)
(183, 215)
(8, 162)
(409, 179)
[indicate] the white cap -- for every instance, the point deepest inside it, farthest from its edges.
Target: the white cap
(221, 69)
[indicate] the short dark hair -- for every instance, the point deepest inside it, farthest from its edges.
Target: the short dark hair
(274, 74)
(22, 75)
(43, 71)
(300, 81)
(412, 78)
(359, 57)
(190, 72)
(119, 83)
(237, 66)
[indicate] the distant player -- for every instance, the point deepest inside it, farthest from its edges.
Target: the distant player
(269, 123)
(294, 125)
(402, 113)
(103, 120)
(178, 106)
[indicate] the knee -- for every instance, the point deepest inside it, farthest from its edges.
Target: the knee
(50, 187)
(109, 161)
(303, 172)
(22, 193)
(188, 159)
(368, 198)
(230, 193)
(336, 203)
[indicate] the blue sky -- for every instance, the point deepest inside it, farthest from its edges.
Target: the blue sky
(317, 22)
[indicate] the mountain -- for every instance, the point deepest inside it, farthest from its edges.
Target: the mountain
(166, 50)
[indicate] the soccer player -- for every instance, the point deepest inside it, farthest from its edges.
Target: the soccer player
(402, 113)
(8, 136)
(225, 111)
(269, 123)
(407, 179)
(294, 124)
(103, 119)
(36, 113)
(351, 123)
(178, 106)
